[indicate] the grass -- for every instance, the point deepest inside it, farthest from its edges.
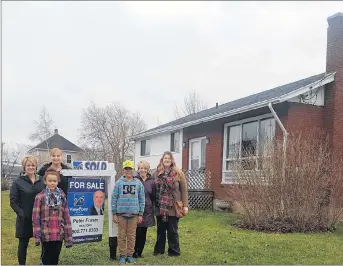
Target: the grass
(205, 238)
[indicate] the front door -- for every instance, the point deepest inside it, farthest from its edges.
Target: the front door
(197, 153)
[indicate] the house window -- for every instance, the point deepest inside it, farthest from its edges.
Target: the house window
(175, 142)
(68, 158)
(247, 141)
(145, 147)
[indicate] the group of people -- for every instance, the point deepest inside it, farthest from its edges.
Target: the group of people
(39, 199)
(137, 200)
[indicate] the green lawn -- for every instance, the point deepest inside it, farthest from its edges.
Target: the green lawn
(205, 238)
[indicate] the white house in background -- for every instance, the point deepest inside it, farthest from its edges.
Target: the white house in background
(151, 149)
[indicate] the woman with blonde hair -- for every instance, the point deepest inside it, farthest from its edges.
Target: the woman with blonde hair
(171, 204)
(22, 196)
(148, 215)
(56, 156)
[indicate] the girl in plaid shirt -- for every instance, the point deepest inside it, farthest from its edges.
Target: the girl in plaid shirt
(51, 220)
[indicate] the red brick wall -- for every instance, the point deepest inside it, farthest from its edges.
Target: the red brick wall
(305, 118)
(334, 92)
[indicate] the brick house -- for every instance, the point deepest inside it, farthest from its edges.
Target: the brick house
(205, 139)
(70, 151)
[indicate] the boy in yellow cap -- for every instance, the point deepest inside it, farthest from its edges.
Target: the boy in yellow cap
(128, 202)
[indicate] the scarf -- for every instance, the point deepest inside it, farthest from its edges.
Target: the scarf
(53, 200)
(165, 193)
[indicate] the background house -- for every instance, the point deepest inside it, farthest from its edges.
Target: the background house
(151, 147)
(70, 151)
(208, 138)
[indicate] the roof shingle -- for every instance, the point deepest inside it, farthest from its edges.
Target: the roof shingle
(252, 99)
(57, 141)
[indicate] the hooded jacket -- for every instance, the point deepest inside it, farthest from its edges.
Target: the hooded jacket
(128, 197)
(22, 197)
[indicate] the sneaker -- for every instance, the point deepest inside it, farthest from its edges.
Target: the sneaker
(130, 259)
(122, 260)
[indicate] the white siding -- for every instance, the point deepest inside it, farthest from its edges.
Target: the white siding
(158, 145)
(314, 98)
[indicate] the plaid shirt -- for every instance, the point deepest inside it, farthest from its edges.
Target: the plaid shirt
(50, 224)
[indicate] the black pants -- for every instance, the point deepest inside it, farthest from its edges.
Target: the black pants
(171, 226)
(51, 252)
(140, 240)
(22, 250)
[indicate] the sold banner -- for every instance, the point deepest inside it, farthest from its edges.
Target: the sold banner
(90, 165)
(86, 197)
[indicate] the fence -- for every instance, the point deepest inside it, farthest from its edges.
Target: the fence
(200, 194)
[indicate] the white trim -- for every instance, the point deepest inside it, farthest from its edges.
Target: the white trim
(240, 123)
(189, 149)
(327, 79)
(236, 123)
(87, 173)
(181, 140)
(247, 120)
(308, 88)
(140, 147)
(180, 146)
(226, 126)
(71, 161)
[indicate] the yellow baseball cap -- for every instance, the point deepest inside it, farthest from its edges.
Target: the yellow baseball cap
(128, 164)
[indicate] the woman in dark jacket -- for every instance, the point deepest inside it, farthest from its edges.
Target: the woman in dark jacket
(148, 215)
(56, 162)
(22, 196)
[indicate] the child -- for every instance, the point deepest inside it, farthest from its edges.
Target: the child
(128, 202)
(51, 220)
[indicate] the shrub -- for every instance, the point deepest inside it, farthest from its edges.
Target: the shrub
(299, 190)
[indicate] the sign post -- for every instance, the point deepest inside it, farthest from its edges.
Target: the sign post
(89, 174)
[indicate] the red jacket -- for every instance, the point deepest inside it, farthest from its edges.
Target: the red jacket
(50, 224)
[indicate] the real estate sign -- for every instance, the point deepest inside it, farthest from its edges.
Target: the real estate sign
(86, 197)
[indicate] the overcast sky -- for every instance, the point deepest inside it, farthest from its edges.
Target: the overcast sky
(149, 56)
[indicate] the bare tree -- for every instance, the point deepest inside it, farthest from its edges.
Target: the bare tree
(9, 158)
(92, 153)
(192, 104)
(44, 127)
(108, 130)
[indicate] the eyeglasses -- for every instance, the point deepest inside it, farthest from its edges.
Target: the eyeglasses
(127, 168)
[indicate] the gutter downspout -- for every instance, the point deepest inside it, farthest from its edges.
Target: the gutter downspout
(285, 137)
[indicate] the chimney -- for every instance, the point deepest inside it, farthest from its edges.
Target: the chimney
(334, 56)
(56, 131)
(216, 105)
(334, 90)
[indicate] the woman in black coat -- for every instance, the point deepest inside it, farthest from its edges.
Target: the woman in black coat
(56, 162)
(148, 215)
(22, 196)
